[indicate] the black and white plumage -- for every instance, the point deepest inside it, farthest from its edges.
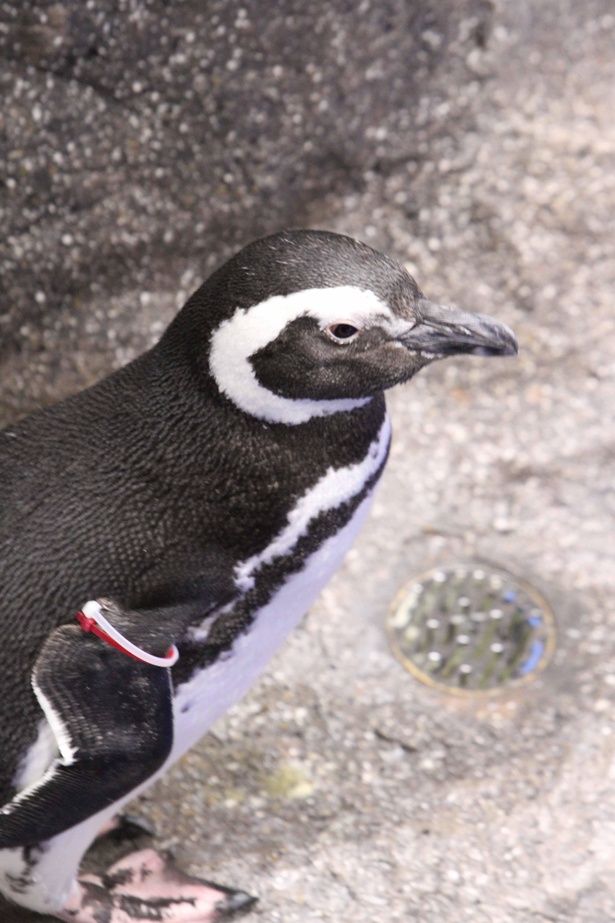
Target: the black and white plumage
(205, 493)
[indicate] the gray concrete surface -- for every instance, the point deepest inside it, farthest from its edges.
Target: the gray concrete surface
(341, 789)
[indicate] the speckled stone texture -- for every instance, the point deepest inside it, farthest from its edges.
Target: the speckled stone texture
(143, 141)
(342, 789)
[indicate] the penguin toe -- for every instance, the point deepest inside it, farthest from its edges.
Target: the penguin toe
(146, 886)
(235, 905)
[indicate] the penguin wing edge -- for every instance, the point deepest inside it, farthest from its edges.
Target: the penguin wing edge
(113, 720)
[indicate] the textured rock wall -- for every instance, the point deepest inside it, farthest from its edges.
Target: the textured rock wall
(140, 139)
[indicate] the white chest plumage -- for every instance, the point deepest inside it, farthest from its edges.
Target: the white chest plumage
(208, 695)
(211, 692)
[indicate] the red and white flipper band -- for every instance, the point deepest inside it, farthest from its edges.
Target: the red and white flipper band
(91, 619)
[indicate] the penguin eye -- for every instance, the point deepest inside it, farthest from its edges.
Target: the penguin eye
(342, 333)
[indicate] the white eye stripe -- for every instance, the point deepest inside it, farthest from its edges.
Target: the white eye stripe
(247, 331)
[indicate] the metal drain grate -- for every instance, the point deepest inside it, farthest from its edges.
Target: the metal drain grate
(471, 629)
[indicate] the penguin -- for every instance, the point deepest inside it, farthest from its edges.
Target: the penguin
(162, 531)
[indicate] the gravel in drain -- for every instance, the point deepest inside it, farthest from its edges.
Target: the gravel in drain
(471, 629)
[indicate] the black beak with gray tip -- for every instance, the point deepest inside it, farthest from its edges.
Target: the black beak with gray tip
(443, 331)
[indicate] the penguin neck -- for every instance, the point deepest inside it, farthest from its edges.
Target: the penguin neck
(193, 395)
(193, 437)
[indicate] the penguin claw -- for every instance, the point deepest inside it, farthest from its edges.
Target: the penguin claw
(236, 904)
(148, 886)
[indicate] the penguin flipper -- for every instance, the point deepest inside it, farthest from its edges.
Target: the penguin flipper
(113, 720)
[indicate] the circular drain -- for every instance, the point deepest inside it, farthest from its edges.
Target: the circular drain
(471, 629)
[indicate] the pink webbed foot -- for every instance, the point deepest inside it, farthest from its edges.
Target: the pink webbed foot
(147, 886)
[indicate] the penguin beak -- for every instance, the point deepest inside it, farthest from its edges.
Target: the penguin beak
(442, 331)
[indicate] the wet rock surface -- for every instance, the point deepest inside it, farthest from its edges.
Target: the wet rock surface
(341, 788)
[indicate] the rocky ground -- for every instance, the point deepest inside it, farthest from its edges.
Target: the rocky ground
(342, 789)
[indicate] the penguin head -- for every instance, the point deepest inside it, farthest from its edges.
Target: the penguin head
(310, 323)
